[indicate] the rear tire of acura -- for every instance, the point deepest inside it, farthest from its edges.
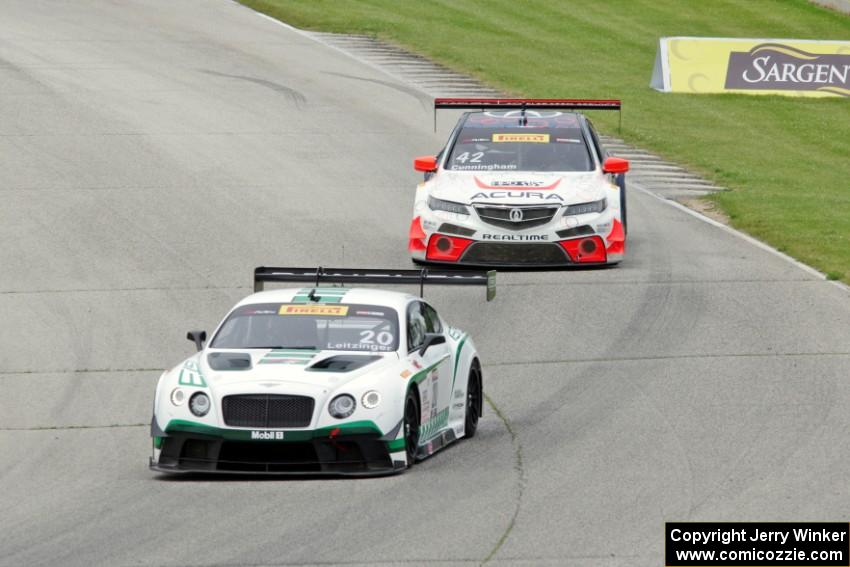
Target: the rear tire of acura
(411, 426)
(622, 183)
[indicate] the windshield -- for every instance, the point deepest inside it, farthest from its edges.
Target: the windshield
(320, 326)
(550, 141)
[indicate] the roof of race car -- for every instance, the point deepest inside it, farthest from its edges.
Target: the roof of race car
(358, 295)
(511, 119)
(519, 141)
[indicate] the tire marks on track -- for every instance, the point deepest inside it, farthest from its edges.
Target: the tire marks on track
(294, 96)
(423, 99)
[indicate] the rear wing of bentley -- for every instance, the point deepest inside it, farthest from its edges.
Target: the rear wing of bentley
(320, 275)
(527, 104)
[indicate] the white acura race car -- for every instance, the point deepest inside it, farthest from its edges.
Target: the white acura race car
(520, 183)
(316, 380)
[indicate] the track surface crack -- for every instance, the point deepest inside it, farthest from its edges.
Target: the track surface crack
(519, 467)
(666, 357)
(68, 427)
(77, 371)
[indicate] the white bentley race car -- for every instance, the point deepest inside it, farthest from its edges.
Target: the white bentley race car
(316, 380)
(520, 183)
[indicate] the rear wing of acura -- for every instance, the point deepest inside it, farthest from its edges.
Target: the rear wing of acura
(527, 104)
(320, 275)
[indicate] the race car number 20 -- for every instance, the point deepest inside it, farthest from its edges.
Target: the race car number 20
(383, 338)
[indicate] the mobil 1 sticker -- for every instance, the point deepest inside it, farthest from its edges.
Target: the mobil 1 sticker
(258, 435)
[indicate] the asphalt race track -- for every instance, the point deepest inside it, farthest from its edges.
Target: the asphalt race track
(153, 152)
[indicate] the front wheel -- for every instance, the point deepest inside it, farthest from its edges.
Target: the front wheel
(411, 426)
(474, 399)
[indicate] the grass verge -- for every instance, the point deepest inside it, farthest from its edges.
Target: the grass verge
(785, 159)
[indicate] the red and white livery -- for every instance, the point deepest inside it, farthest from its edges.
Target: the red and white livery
(521, 183)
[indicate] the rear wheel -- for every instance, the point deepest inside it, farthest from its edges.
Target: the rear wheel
(474, 399)
(411, 426)
(621, 181)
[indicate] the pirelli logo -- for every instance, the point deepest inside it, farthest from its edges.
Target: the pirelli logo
(339, 310)
(528, 138)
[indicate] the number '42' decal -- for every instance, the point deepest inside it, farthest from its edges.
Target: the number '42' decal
(465, 157)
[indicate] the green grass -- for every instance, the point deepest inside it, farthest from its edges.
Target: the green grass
(785, 159)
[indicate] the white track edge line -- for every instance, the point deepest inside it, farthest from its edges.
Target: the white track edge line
(743, 236)
(310, 36)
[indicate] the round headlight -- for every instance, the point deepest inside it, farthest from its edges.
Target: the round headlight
(199, 404)
(371, 399)
(178, 396)
(342, 406)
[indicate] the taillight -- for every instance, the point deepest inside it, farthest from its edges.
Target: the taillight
(585, 250)
(444, 248)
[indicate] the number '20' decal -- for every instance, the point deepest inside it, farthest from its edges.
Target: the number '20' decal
(383, 338)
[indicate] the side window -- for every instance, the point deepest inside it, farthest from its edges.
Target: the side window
(432, 320)
(416, 326)
(599, 150)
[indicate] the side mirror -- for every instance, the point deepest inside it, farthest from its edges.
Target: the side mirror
(197, 337)
(615, 165)
(431, 339)
(425, 163)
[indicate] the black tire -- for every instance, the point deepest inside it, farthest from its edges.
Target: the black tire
(411, 426)
(621, 181)
(474, 401)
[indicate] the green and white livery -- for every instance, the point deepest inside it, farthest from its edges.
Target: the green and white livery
(316, 380)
